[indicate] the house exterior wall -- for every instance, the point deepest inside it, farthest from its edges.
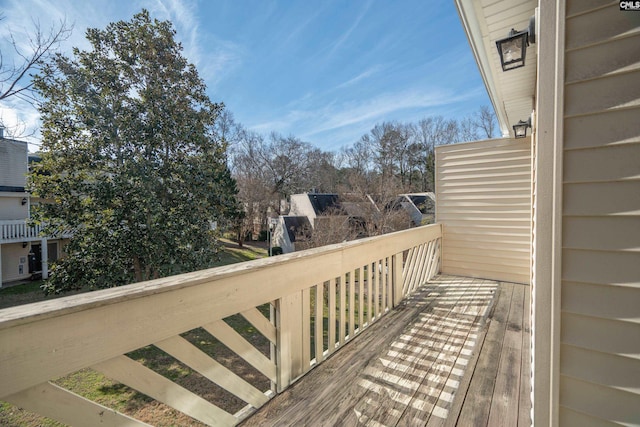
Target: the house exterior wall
(13, 163)
(281, 237)
(11, 206)
(301, 206)
(483, 201)
(599, 333)
(13, 171)
(13, 256)
(14, 262)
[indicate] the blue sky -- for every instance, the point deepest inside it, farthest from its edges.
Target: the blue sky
(325, 71)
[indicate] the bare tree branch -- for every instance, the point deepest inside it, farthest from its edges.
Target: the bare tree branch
(42, 46)
(485, 121)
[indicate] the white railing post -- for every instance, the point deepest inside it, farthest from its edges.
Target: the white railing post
(45, 258)
(289, 339)
(396, 277)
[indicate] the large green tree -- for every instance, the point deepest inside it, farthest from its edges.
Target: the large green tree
(132, 162)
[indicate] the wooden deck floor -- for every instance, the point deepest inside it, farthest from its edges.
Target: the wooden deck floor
(455, 353)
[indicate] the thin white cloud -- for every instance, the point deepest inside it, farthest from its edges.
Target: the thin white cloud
(294, 34)
(382, 106)
(340, 120)
(183, 16)
(362, 76)
(214, 57)
(345, 36)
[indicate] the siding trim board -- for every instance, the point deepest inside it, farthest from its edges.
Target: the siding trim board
(547, 231)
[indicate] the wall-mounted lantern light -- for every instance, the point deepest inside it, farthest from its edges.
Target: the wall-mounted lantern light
(513, 48)
(24, 244)
(24, 201)
(520, 128)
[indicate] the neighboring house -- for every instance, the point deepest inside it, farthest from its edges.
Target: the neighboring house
(316, 211)
(23, 252)
(306, 211)
(580, 87)
(342, 217)
(421, 207)
(314, 205)
(289, 230)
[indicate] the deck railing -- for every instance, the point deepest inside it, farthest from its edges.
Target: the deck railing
(19, 230)
(304, 305)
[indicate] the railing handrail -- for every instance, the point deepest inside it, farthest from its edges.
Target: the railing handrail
(79, 331)
(13, 221)
(10, 317)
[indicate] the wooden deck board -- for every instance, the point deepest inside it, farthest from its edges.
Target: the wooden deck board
(506, 393)
(524, 405)
(432, 361)
(400, 378)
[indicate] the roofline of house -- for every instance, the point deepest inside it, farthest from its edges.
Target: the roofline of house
(468, 13)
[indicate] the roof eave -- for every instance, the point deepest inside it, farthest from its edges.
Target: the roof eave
(468, 16)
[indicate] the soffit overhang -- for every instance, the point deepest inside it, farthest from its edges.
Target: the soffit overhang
(511, 92)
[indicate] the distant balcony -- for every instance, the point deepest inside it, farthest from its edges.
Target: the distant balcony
(15, 231)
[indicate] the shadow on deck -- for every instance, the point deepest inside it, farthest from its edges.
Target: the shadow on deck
(454, 353)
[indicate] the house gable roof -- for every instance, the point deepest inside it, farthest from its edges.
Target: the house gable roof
(423, 203)
(321, 203)
(295, 225)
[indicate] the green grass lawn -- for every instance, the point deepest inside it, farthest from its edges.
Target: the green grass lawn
(30, 292)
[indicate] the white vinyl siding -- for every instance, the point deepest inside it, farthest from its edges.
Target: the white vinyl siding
(13, 163)
(600, 302)
(483, 201)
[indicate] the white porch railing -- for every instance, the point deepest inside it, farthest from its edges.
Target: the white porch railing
(319, 300)
(19, 230)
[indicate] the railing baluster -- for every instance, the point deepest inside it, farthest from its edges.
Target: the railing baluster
(138, 377)
(352, 303)
(331, 345)
(385, 281)
(396, 284)
(361, 306)
(343, 308)
(319, 323)
(426, 248)
(306, 329)
(376, 290)
(372, 297)
(429, 261)
(54, 402)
